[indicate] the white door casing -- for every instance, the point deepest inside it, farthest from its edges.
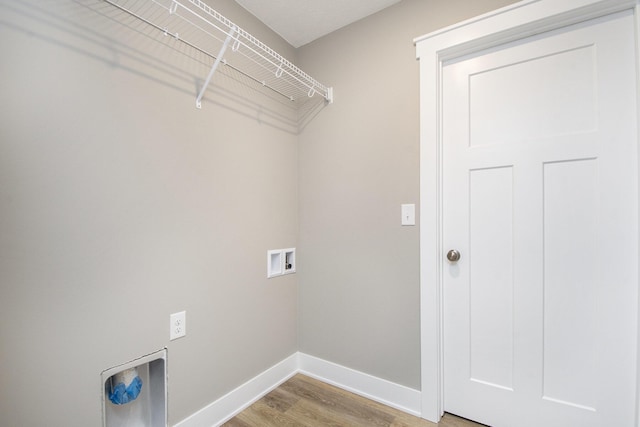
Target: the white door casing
(539, 197)
(506, 25)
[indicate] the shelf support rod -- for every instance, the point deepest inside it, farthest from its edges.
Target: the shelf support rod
(215, 66)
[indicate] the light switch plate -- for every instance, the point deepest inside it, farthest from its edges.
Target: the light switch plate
(408, 214)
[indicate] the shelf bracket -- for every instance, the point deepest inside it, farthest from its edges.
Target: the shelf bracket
(329, 97)
(215, 66)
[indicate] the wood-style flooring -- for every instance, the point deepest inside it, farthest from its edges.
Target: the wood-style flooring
(305, 402)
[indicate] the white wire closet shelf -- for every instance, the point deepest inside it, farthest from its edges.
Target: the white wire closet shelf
(198, 25)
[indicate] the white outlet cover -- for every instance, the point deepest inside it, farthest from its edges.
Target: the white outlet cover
(177, 325)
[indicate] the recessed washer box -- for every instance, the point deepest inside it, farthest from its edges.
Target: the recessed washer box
(275, 263)
(289, 260)
(281, 261)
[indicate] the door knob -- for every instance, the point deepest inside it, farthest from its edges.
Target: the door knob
(453, 255)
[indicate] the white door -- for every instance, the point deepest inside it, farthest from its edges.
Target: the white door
(539, 198)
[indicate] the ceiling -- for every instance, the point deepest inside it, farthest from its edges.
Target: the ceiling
(301, 21)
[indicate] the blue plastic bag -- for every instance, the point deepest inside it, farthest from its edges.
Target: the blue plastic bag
(125, 387)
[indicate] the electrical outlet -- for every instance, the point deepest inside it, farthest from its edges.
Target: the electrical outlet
(177, 325)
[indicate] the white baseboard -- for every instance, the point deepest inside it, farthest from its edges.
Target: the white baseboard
(383, 391)
(374, 388)
(237, 400)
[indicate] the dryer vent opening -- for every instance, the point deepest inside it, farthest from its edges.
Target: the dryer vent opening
(134, 394)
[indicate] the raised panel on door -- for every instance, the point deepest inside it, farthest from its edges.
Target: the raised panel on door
(539, 182)
(491, 277)
(508, 106)
(571, 278)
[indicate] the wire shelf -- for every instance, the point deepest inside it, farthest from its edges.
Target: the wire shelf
(199, 26)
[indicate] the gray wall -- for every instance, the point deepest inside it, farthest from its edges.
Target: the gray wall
(359, 281)
(120, 203)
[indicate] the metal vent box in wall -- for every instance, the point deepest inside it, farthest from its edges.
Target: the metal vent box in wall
(149, 408)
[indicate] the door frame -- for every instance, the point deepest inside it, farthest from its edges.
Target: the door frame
(514, 22)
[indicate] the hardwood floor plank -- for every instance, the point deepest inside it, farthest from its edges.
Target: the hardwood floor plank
(450, 420)
(280, 399)
(306, 402)
(261, 415)
(400, 419)
(236, 422)
(330, 398)
(311, 414)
